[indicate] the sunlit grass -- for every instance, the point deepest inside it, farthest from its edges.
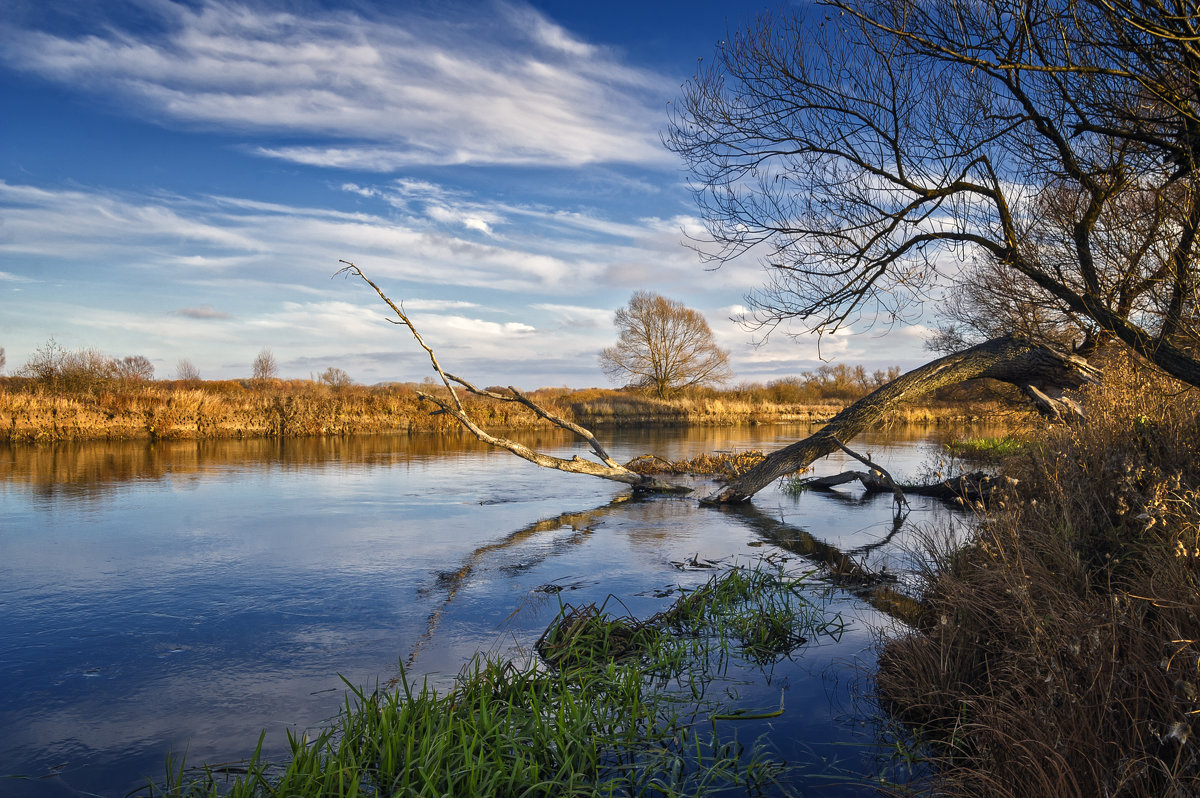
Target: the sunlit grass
(1057, 653)
(989, 449)
(613, 706)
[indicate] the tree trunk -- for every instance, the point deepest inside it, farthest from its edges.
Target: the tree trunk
(1042, 373)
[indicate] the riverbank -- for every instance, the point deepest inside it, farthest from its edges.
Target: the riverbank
(1058, 652)
(31, 412)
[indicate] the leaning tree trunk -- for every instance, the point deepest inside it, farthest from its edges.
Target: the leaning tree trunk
(1042, 373)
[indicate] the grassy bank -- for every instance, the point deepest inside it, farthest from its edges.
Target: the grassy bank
(1059, 653)
(609, 706)
(34, 411)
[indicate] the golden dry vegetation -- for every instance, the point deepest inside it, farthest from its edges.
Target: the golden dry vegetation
(32, 410)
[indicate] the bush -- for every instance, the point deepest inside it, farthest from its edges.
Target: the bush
(1059, 653)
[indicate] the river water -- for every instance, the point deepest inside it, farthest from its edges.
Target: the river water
(185, 597)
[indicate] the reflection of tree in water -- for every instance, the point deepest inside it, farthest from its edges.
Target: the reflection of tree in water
(89, 471)
(450, 582)
(844, 570)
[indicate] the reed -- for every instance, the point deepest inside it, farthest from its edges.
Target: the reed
(34, 411)
(591, 717)
(1059, 652)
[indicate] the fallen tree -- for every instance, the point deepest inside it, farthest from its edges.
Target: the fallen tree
(1042, 373)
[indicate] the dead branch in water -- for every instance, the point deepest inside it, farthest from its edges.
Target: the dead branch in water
(1041, 372)
(606, 469)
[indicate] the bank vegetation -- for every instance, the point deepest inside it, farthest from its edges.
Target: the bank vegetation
(105, 405)
(1058, 652)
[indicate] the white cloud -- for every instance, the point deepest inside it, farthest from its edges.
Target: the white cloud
(578, 317)
(500, 85)
(14, 278)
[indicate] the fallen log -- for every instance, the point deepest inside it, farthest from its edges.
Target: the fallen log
(969, 489)
(1044, 374)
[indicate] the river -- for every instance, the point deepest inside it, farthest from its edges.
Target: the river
(184, 597)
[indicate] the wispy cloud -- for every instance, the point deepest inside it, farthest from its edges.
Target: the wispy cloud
(493, 84)
(6, 277)
(203, 312)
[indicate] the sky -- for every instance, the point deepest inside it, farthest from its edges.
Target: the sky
(180, 180)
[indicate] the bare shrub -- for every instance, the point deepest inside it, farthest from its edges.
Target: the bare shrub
(335, 378)
(186, 370)
(137, 368)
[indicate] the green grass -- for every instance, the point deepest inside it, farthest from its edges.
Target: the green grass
(613, 706)
(988, 449)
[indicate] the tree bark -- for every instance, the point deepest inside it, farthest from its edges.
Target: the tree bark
(1042, 373)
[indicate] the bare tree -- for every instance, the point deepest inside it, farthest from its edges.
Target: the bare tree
(335, 378)
(265, 367)
(663, 346)
(868, 153)
(133, 367)
(2, 359)
(186, 370)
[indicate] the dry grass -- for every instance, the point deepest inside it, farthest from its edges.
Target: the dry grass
(1059, 654)
(35, 411)
(719, 464)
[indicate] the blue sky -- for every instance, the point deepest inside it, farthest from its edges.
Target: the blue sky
(180, 179)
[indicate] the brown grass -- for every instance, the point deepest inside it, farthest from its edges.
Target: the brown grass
(1059, 653)
(36, 411)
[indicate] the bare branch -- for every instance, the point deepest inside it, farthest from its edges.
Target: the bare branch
(609, 469)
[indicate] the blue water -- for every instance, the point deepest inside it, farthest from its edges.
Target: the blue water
(182, 597)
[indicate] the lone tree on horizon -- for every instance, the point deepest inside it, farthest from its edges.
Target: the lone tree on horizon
(664, 347)
(265, 367)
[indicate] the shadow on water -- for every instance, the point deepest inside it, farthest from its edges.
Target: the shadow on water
(843, 570)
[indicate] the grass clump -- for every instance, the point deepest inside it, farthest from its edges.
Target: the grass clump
(726, 465)
(989, 449)
(1059, 653)
(593, 717)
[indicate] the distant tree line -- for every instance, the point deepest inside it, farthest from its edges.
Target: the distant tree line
(831, 382)
(84, 369)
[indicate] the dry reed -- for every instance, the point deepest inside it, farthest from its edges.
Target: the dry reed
(1059, 653)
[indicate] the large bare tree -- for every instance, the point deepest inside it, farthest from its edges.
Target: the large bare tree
(663, 346)
(871, 149)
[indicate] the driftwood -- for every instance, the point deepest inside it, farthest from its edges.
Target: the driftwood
(1042, 373)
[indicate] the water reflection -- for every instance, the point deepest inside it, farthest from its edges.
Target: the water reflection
(186, 595)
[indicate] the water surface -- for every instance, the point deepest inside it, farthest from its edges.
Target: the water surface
(185, 596)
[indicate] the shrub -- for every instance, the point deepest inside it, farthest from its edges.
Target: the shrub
(1059, 653)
